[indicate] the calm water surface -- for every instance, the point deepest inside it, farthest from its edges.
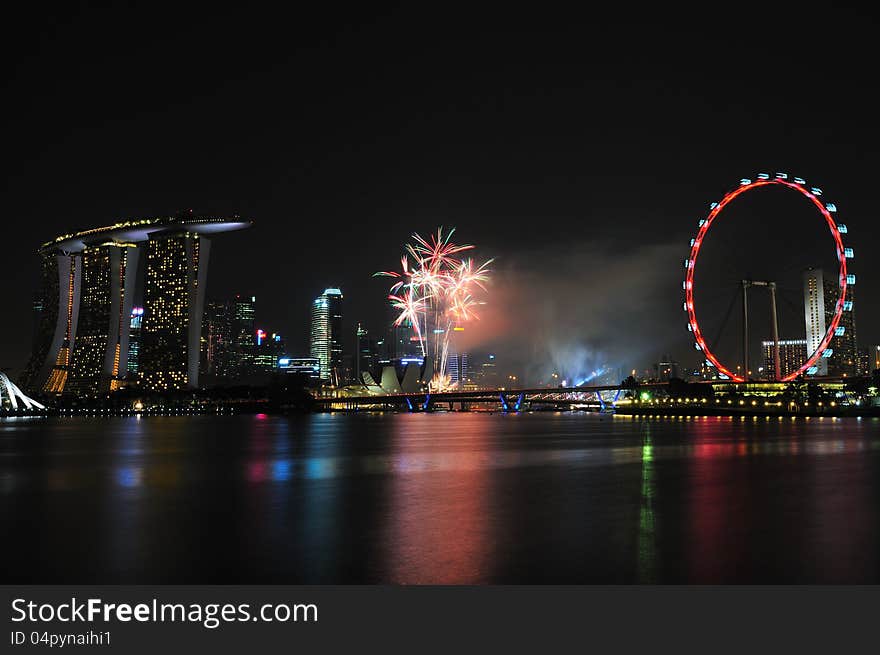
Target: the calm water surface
(439, 498)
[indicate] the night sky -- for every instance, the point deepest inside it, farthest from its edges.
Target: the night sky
(579, 150)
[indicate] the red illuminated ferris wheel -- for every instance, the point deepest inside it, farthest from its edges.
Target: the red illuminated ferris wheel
(827, 210)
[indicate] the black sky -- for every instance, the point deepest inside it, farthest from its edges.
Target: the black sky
(568, 145)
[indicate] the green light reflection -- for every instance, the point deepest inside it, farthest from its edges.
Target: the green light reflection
(647, 542)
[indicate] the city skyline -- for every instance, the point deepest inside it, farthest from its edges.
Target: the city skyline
(107, 318)
(547, 184)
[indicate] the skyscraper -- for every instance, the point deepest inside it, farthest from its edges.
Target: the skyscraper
(814, 314)
(268, 349)
(325, 342)
(89, 281)
(174, 296)
(244, 310)
(820, 301)
(457, 369)
(217, 343)
(844, 358)
(100, 353)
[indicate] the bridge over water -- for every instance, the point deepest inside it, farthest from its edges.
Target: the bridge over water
(715, 395)
(598, 397)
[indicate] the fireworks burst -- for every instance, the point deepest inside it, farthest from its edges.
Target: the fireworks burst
(434, 293)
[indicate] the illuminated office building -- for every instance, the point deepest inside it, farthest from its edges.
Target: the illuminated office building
(814, 314)
(269, 348)
(457, 369)
(844, 358)
(821, 294)
(325, 338)
(244, 309)
(792, 355)
(244, 313)
(89, 281)
(217, 343)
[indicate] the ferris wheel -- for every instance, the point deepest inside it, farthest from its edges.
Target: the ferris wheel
(828, 212)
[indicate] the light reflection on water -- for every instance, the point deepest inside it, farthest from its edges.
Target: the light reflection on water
(647, 547)
(440, 498)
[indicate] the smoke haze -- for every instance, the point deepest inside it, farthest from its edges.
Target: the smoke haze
(579, 309)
